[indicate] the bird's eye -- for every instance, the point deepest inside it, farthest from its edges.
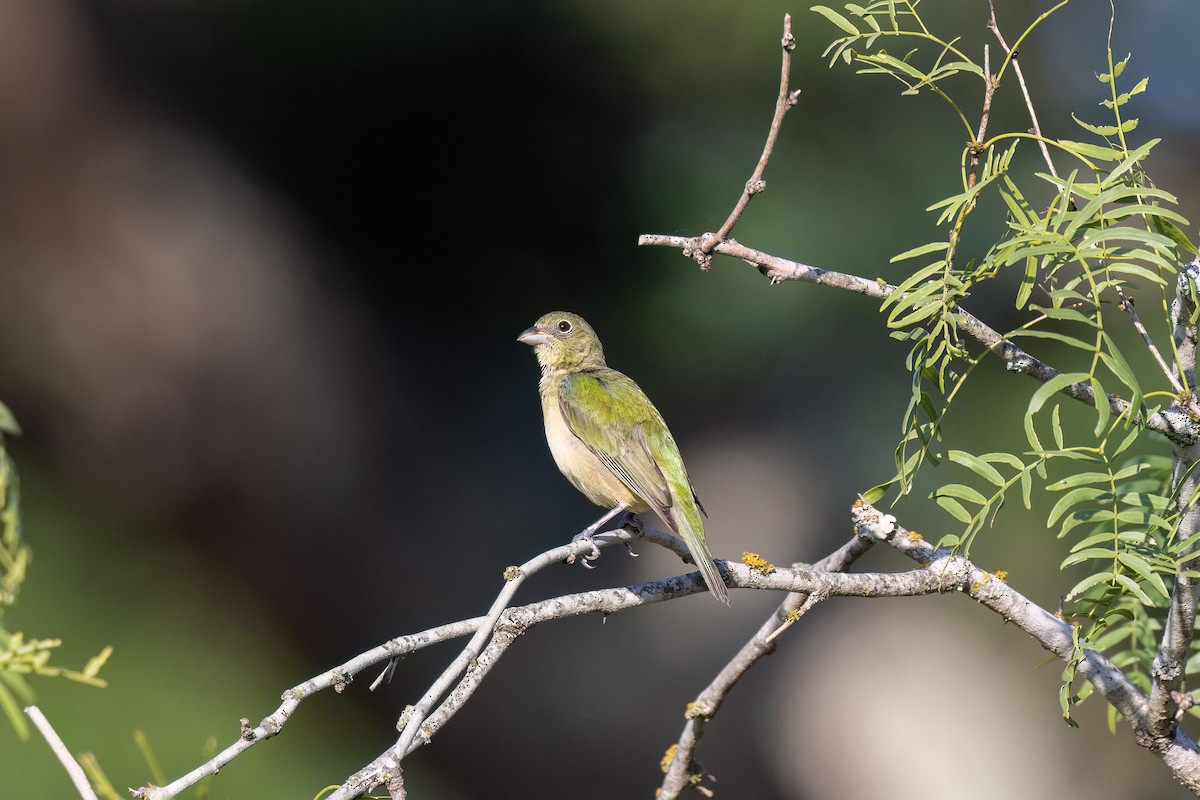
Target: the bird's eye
(564, 326)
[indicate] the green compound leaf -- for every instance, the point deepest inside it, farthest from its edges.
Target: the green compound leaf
(837, 19)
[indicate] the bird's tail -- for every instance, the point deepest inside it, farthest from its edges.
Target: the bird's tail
(692, 533)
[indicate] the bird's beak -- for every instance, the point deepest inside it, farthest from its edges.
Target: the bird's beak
(533, 337)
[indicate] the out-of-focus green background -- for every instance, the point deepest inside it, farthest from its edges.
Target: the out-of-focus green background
(262, 268)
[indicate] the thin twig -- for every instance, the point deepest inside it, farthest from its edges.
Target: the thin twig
(337, 678)
(1036, 128)
(1127, 306)
(786, 100)
(78, 777)
(975, 147)
(989, 89)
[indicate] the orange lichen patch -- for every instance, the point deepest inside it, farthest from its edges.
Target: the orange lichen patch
(757, 563)
(668, 757)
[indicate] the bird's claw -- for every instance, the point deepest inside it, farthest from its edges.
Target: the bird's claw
(631, 523)
(593, 553)
(626, 520)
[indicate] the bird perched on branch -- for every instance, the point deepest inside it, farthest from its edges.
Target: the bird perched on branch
(610, 441)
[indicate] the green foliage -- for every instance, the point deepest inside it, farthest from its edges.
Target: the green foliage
(1084, 236)
(19, 656)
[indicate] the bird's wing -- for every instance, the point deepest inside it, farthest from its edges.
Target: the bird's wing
(612, 416)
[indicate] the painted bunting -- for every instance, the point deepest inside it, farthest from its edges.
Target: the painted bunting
(610, 441)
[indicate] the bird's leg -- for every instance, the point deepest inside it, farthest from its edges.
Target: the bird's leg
(589, 533)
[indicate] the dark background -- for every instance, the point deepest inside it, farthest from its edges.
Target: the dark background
(262, 269)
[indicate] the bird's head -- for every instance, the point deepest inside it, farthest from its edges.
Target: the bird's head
(562, 340)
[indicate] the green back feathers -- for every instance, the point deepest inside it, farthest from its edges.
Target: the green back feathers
(614, 418)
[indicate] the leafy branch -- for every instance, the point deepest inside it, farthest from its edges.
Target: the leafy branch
(1104, 234)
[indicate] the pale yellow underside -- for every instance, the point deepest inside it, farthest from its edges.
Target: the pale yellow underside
(583, 469)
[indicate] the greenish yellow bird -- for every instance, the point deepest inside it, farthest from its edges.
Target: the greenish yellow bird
(610, 441)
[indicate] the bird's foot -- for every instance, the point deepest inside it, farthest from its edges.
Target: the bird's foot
(588, 536)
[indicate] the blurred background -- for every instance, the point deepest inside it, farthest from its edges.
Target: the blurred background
(262, 269)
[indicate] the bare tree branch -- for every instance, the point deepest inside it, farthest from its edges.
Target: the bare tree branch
(702, 254)
(78, 778)
(940, 571)
(341, 676)
(682, 771)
